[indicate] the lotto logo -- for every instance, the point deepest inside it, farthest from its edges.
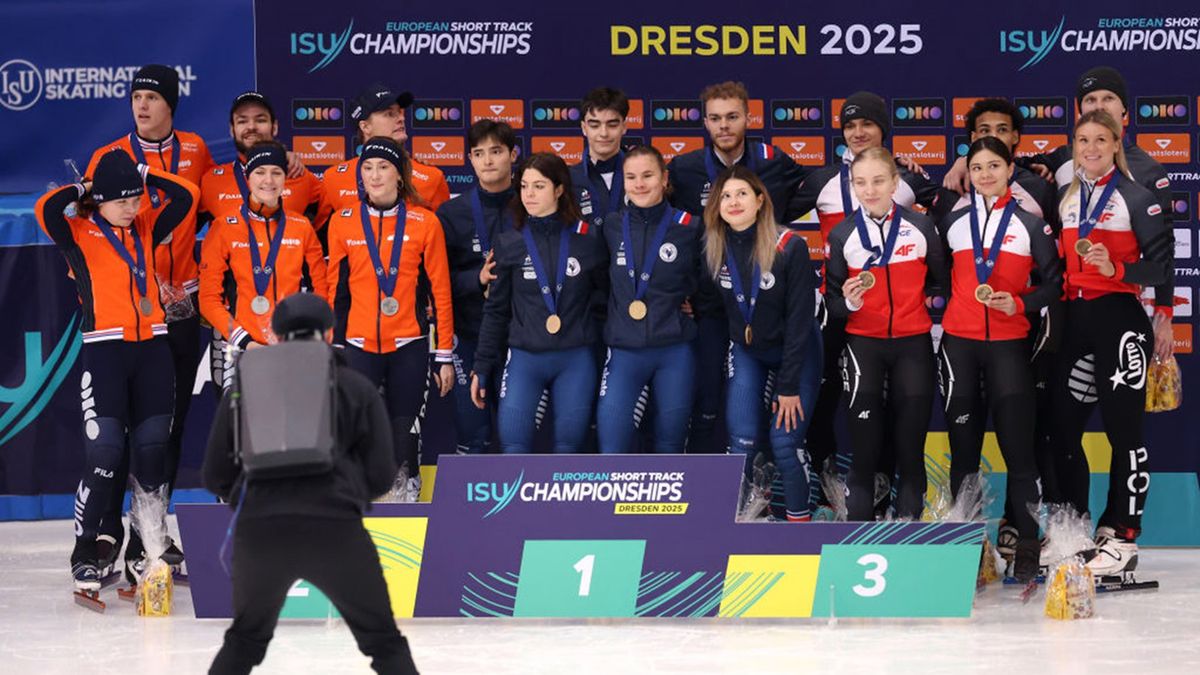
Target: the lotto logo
(804, 150)
(1166, 110)
(1050, 111)
(919, 112)
(961, 107)
(501, 110)
(797, 114)
(556, 114)
(676, 114)
(317, 113)
(637, 114)
(438, 114)
(569, 148)
(754, 114)
(922, 149)
(1181, 206)
(1033, 144)
(439, 150)
(672, 146)
(1167, 148)
(320, 150)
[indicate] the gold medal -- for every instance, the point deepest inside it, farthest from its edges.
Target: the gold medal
(1082, 246)
(553, 324)
(983, 293)
(867, 279)
(748, 334)
(637, 310)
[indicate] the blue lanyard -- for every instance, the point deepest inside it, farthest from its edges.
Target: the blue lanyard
(739, 294)
(878, 258)
(549, 296)
(263, 273)
(239, 176)
(847, 203)
(985, 266)
(387, 277)
(1087, 223)
(612, 198)
(481, 228)
(138, 268)
(641, 282)
(140, 158)
(747, 152)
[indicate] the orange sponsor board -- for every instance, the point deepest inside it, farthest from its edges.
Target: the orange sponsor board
(320, 150)
(922, 149)
(511, 110)
(754, 118)
(1167, 148)
(1033, 144)
(835, 112)
(961, 107)
(637, 114)
(804, 150)
(569, 148)
(1183, 337)
(439, 150)
(670, 146)
(816, 243)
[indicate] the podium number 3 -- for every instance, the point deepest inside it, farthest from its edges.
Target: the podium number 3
(874, 575)
(584, 567)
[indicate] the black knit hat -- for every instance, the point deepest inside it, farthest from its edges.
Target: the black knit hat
(377, 97)
(1102, 77)
(383, 148)
(251, 98)
(266, 153)
(116, 177)
(863, 105)
(163, 80)
(301, 313)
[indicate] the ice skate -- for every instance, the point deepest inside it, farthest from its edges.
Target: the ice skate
(1006, 542)
(86, 574)
(173, 556)
(1026, 561)
(1114, 561)
(107, 552)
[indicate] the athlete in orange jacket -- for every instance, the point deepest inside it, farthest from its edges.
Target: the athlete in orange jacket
(387, 258)
(379, 111)
(267, 249)
(127, 379)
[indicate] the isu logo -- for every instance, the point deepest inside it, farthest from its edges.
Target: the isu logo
(671, 146)
(1167, 148)
(500, 110)
(1131, 361)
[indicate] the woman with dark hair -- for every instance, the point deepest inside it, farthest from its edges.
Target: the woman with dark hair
(387, 259)
(654, 268)
(995, 248)
(539, 321)
(767, 286)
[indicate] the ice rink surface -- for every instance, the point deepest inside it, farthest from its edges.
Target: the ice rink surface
(43, 632)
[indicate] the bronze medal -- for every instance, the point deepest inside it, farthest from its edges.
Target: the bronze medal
(983, 293)
(748, 334)
(145, 306)
(389, 306)
(867, 278)
(637, 310)
(553, 324)
(1082, 246)
(260, 305)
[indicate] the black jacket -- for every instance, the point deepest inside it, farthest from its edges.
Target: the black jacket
(364, 469)
(691, 183)
(515, 314)
(595, 198)
(675, 276)
(465, 252)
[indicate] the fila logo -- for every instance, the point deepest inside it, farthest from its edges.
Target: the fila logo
(319, 145)
(1162, 142)
(919, 145)
(558, 145)
(1041, 144)
(798, 145)
(496, 109)
(678, 146)
(438, 145)
(905, 249)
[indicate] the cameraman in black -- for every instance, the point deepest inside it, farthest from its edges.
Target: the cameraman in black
(310, 527)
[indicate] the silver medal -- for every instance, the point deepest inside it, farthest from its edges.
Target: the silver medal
(260, 305)
(389, 306)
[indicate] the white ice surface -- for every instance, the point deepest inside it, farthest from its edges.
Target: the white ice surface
(42, 632)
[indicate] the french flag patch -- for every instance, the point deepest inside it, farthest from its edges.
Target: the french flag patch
(766, 151)
(582, 227)
(683, 218)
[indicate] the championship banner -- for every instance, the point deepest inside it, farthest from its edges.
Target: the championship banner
(622, 536)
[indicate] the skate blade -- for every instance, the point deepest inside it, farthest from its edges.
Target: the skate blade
(128, 593)
(1117, 584)
(110, 578)
(90, 600)
(1012, 581)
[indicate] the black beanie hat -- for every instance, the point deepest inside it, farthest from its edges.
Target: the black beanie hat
(163, 80)
(116, 177)
(1102, 77)
(866, 106)
(301, 312)
(383, 148)
(268, 153)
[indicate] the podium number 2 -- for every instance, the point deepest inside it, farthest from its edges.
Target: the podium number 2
(584, 567)
(873, 575)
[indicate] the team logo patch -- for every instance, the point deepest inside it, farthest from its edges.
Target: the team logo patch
(346, 212)
(1131, 361)
(1048, 230)
(767, 282)
(573, 267)
(667, 252)
(1162, 183)
(231, 220)
(1154, 209)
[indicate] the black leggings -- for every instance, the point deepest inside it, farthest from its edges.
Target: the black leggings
(1003, 368)
(1105, 357)
(403, 378)
(908, 366)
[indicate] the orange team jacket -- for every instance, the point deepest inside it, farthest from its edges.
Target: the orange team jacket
(341, 187)
(424, 273)
(227, 249)
(174, 259)
(108, 292)
(221, 192)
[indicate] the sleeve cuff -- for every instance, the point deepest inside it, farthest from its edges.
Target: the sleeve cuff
(852, 307)
(1020, 302)
(80, 189)
(1118, 270)
(240, 338)
(443, 356)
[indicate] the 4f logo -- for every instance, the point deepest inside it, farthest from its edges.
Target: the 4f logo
(499, 495)
(1131, 361)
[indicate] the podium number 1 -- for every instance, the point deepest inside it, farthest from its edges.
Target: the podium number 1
(874, 575)
(584, 567)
